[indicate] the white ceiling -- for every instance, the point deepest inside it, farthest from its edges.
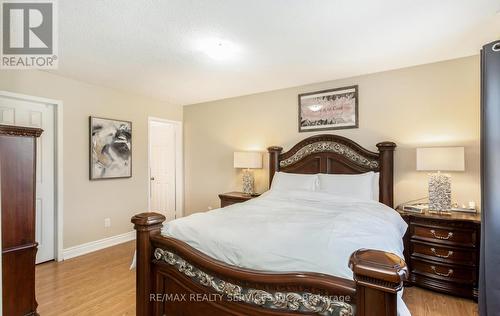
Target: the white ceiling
(151, 47)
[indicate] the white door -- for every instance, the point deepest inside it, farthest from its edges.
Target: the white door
(162, 162)
(32, 114)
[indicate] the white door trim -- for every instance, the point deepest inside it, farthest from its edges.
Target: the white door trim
(58, 185)
(179, 165)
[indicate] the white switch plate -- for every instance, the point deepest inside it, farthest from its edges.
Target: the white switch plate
(107, 222)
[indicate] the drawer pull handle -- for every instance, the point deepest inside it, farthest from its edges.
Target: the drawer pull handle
(450, 272)
(433, 232)
(441, 256)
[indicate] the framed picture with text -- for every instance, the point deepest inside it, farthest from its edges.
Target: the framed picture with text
(328, 109)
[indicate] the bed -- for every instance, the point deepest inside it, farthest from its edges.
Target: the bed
(239, 260)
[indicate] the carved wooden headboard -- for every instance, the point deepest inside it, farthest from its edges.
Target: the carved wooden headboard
(335, 154)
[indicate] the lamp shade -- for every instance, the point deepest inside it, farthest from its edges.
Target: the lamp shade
(440, 159)
(248, 159)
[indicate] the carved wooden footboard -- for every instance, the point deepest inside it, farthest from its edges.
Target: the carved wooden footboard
(176, 279)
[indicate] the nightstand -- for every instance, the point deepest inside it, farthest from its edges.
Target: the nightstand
(442, 251)
(235, 197)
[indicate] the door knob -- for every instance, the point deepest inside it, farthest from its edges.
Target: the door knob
(152, 178)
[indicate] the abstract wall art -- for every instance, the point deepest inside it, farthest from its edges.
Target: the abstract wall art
(110, 148)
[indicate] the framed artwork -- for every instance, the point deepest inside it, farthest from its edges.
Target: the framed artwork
(328, 109)
(110, 148)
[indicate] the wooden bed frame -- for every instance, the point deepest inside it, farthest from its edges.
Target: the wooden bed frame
(173, 278)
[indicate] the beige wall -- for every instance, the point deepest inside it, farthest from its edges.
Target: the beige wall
(87, 203)
(430, 105)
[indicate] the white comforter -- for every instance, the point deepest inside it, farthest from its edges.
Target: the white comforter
(293, 231)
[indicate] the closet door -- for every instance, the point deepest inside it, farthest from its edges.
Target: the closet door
(33, 114)
(489, 288)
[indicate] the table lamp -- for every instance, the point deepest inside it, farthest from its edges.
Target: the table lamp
(440, 159)
(247, 160)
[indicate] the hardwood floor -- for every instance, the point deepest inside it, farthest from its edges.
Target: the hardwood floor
(96, 284)
(101, 283)
(427, 303)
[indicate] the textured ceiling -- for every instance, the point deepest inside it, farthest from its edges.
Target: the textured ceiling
(151, 47)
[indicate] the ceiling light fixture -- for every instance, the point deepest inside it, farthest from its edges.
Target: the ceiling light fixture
(218, 49)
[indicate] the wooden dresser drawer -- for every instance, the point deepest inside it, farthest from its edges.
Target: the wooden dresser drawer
(445, 272)
(231, 198)
(444, 235)
(224, 203)
(442, 253)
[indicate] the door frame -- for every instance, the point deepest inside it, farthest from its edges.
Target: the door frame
(179, 164)
(58, 164)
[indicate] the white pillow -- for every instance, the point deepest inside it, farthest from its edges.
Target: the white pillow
(376, 186)
(283, 181)
(358, 186)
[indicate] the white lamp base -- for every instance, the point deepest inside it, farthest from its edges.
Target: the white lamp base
(248, 182)
(439, 192)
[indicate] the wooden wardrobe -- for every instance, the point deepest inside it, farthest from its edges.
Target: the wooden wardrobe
(18, 189)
